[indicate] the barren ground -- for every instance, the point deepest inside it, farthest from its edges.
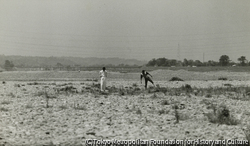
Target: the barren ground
(66, 108)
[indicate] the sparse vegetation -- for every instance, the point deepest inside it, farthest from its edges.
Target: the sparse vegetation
(222, 115)
(138, 111)
(134, 85)
(62, 107)
(4, 109)
(29, 106)
(79, 107)
(184, 104)
(176, 79)
(222, 78)
(40, 93)
(5, 102)
(11, 95)
(165, 102)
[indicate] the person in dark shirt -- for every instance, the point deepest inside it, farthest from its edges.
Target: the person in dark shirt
(147, 78)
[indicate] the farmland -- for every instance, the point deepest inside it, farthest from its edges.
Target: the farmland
(66, 108)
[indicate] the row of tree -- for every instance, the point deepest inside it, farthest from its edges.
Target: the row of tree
(9, 66)
(224, 60)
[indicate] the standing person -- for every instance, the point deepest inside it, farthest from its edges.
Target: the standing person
(103, 75)
(147, 78)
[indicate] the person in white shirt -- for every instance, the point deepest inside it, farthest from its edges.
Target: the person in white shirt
(103, 75)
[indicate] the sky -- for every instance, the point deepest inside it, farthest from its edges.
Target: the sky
(131, 29)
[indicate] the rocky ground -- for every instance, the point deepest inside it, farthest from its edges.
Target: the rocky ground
(69, 112)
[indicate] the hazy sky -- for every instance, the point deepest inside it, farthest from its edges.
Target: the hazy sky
(140, 29)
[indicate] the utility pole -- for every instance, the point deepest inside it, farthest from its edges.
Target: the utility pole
(178, 55)
(203, 57)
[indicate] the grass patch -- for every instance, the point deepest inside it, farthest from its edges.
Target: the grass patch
(208, 95)
(40, 93)
(79, 107)
(187, 88)
(165, 102)
(5, 102)
(138, 111)
(4, 109)
(11, 95)
(34, 83)
(134, 85)
(222, 78)
(28, 106)
(176, 79)
(222, 115)
(63, 107)
(162, 111)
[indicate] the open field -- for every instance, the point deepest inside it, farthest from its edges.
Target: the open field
(66, 108)
(160, 75)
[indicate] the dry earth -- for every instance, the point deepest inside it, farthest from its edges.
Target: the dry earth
(160, 75)
(82, 112)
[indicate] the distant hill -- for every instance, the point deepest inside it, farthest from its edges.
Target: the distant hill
(31, 61)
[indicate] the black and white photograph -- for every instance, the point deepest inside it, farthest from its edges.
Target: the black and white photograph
(124, 72)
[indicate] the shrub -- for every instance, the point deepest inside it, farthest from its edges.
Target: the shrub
(4, 109)
(121, 92)
(153, 96)
(222, 78)
(229, 85)
(79, 107)
(39, 93)
(28, 106)
(208, 95)
(138, 111)
(17, 85)
(176, 79)
(221, 115)
(135, 85)
(5, 102)
(35, 83)
(11, 95)
(187, 88)
(161, 111)
(62, 107)
(165, 102)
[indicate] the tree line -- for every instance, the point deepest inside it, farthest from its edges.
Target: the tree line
(224, 60)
